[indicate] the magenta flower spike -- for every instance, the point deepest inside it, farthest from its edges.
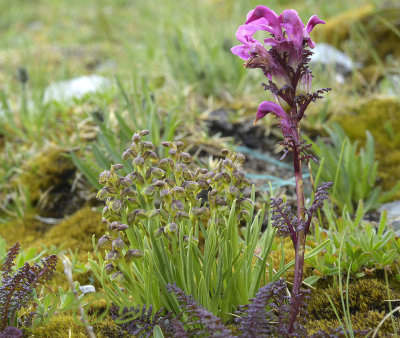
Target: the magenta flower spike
(283, 57)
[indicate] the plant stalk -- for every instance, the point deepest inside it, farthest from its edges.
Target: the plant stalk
(301, 237)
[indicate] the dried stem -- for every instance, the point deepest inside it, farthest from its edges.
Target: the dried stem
(68, 274)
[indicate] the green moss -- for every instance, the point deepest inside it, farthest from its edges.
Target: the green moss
(49, 176)
(380, 117)
(367, 305)
(66, 326)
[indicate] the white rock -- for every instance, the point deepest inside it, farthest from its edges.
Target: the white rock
(66, 91)
(87, 289)
(393, 214)
(328, 56)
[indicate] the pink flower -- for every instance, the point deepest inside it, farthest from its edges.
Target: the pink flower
(288, 33)
(267, 107)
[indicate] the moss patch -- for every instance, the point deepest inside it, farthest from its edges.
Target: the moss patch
(49, 177)
(381, 117)
(366, 302)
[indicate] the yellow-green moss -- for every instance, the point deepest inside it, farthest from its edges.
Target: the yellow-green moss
(65, 325)
(381, 117)
(366, 302)
(49, 177)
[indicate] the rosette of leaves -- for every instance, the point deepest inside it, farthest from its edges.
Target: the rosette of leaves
(160, 230)
(17, 287)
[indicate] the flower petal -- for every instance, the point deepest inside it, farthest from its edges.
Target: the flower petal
(267, 107)
(241, 51)
(269, 19)
(294, 26)
(314, 20)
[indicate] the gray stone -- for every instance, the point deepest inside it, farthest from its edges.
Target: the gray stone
(87, 289)
(328, 56)
(66, 91)
(393, 214)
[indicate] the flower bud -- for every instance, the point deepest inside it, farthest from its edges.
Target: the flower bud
(160, 184)
(227, 163)
(155, 213)
(109, 268)
(192, 186)
(179, 145)
(177, 205)
(166, 195)
(232, 190)
(185, 157)
(122, 227)
(139, 161)
(136, 138)
(117, 277)
(172, 152)
(157, 173)
(166, 163)
(111, 190)
(133, 253)
(159, 232)
(171, 228)
(225, 152)
(118, 244)
(102, 194)
(117, 167)
(126, 154)
(103, 241)
(178, 191)
(149, 191)
(104, 176)
(126, 182)
(137, 214)
(246, 203)
(144, 132)
(195, 240)
(182, 215)
(147, 145)
(116, 205)
(114, 225)
(245, 215)
(166, 144)
(113, 255)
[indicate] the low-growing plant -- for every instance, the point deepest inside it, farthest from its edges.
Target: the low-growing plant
(353, 170)
(366, 247)
(168, 222)
(17, 286)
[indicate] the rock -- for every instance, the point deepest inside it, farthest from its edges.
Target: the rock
(393, 214)
(87, 289)
(66, 91)
(330, 57)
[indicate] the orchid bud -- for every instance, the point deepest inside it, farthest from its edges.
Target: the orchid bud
(117, 167)
(171, 228)
(114, 225)
(109, 268)
(149, 191)
(185, 157)
(155, 213)
(102, 194)
(157, 173)
(122, 227)
(104, 176)
(195, 240)
(179, 145)
(136, 138)
(225, 152)
(192, 186)
(182, 215)
(172, 152)
(116, 205)
(117, 277)
(113, 255)
(166, 144)
(159, 232)
(103, 240)
(246, 203)
(166, 163)
(177, 205)
(133, 253)
(139, 161)
(118, 244)
(178, 191)
(144, 132)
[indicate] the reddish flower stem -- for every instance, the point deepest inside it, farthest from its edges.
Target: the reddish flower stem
(301, 237)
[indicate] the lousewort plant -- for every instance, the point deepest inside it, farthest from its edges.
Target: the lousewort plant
(284, 59)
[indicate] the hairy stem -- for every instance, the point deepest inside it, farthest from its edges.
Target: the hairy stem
(301, 237)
